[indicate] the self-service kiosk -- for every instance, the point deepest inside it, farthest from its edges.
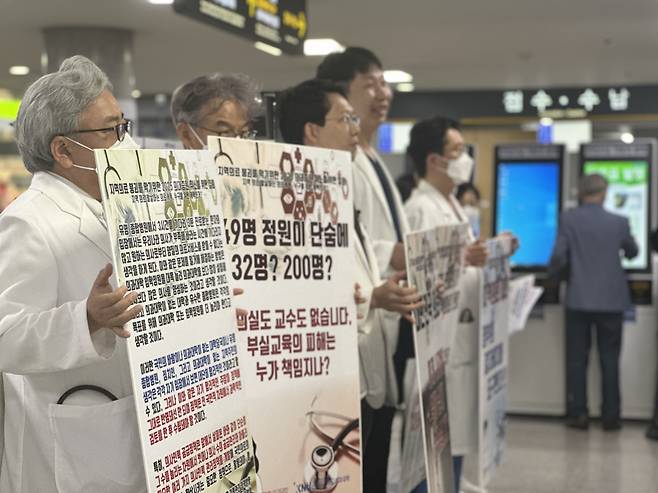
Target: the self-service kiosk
(524, 190)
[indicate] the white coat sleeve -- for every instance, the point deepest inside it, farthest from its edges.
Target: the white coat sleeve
(2, 418)
(365, 203)
(418, 217)
(38, 332)
(384, 251)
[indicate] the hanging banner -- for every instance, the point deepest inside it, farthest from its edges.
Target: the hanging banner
(494, 320)
(282, 24)
(167, 234)
(289, 220)
(432, 256)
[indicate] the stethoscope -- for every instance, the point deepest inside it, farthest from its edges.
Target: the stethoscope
(321, 472)
(93, 388)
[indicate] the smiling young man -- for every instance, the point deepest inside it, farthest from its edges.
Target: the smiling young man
(361, 74)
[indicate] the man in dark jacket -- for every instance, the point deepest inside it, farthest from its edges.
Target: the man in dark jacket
(589, 244)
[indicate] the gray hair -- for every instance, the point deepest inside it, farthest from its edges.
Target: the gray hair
(53, 105)
(592, 184)
(190, 98)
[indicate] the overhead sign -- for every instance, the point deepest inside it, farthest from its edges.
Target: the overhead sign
(608, 100)
(279, 23)
(557, 102)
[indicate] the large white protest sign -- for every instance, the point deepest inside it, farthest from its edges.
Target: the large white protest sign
(167, 234)
(289, 217)
(494, 318)
(432, 256)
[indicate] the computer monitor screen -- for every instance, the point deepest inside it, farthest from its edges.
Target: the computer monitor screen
(528, 205)
(628, 195)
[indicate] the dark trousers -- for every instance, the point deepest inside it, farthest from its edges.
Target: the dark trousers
(608, 328)
(376, 439)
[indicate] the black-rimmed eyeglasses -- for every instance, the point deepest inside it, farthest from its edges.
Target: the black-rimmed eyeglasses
(242, 134)
(121, 129)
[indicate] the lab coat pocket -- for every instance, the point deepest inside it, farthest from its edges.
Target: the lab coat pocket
(97, 448)
(464, 346)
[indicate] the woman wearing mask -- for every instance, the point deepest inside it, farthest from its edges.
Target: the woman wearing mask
(469, 198)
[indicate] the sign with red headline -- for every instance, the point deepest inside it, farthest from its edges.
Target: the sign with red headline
(289, 244)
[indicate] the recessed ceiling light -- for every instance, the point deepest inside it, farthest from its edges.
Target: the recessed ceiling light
(627, 138)
(397, 76)
(136, 93)
(19, 70)
(161, 2)
(405, 87)
(272, 50)
(321, 46)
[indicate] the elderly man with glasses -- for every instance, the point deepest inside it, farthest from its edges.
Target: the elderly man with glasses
(215, 105)
(69, 419)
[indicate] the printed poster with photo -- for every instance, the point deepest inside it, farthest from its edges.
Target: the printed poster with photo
(289, 219)
(432, 256)
(166, 228)
(494, 337)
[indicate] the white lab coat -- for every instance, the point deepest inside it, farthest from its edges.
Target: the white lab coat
(377, 373)
(53, 244)
(2, 418)
(370, 201)
(427, 208)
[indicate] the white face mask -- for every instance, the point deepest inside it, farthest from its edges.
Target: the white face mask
(127, 144)
(459, 170)
(203, 146)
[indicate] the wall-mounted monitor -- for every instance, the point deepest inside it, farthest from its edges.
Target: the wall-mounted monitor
(628, 169)
(527, 200)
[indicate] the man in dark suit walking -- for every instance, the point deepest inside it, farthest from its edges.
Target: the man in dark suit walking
(589, 244)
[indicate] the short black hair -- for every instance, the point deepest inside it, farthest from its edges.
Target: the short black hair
(343, 67)
(304, 103)
(464, 188)
(426, 137)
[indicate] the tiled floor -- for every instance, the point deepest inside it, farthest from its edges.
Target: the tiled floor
(543, 456)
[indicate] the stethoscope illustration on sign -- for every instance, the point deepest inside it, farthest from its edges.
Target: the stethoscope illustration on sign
(321, 472)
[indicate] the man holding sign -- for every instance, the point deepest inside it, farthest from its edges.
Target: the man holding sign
(60, 315)
(316, 112)
(437, 150)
